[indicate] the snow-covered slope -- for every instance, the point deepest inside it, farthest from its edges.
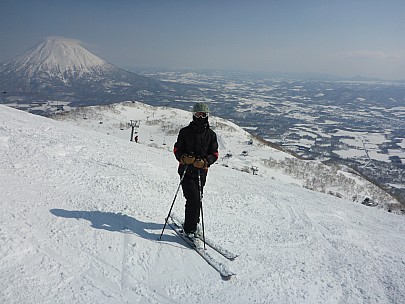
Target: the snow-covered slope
(82, 211)
(159, 126)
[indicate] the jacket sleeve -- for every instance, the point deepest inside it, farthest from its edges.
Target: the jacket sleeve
(178, 149)
(212, 150)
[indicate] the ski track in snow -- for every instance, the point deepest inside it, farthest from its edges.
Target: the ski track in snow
(82, 213)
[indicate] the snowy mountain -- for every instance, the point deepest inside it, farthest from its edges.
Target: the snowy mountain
(82, 211)
(61, 69)
(58, 58)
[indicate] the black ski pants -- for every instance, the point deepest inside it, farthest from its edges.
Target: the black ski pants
(191, 191)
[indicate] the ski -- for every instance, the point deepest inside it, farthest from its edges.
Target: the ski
(218, 248)
(225, 273)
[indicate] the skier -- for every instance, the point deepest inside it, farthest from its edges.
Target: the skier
(196, 149)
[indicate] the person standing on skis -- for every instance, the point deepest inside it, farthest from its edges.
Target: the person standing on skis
(196, 149)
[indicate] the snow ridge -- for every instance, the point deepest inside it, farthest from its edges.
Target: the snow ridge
(239, 150)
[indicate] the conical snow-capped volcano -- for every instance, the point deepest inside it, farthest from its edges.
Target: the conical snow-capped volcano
(62, 69)
(57, 57)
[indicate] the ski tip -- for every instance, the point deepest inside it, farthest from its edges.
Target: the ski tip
(227, 277)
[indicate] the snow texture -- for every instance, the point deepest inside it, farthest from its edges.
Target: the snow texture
(82, 211)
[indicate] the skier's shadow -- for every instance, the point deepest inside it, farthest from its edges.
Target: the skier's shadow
(117, 222)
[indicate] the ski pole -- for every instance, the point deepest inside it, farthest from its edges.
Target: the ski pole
(174, 199)
(202, 214)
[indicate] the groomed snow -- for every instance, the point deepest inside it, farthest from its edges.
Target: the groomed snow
(82, 211)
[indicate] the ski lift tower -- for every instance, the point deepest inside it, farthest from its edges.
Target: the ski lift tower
(2, 93)
(134, 124)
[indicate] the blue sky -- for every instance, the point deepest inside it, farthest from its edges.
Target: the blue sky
(346, 37)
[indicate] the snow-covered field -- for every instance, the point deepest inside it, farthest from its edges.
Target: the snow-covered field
(82, 211)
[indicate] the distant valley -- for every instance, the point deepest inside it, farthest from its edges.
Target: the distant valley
(357, 123)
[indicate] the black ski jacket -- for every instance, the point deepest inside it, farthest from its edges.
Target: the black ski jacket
(199, 142)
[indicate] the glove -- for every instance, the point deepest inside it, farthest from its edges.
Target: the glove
(200, 163)
(187, 159)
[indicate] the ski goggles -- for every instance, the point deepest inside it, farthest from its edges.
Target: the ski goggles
(201, 114)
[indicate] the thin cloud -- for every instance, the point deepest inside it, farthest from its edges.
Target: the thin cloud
(372, 54)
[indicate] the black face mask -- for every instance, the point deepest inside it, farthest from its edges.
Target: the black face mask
(200, 122)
